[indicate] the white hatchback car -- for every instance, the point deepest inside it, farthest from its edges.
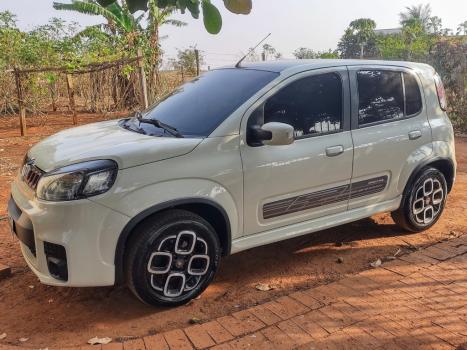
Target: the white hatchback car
(235, 159)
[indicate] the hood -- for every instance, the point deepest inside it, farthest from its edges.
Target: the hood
(107, 140)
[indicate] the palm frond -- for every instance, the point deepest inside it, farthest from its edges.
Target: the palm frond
(85, 7)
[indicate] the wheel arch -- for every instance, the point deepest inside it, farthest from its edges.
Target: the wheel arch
(209, 210)
(444, 165)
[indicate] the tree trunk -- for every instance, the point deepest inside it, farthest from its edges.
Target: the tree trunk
(154, 60)
(53, 95)
(361, 51)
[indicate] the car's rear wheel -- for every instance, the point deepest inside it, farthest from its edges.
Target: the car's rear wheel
(423, 201)
(172, 258)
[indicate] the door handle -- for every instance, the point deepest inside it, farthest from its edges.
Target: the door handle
(334, 151)
(416, 134)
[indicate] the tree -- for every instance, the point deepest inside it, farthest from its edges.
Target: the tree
(331, 54)
(359, 39)
(269, 51)
(413, 43)
(421, 13)
(462, 28)
(417, 41)
(119, 19)
(7, 20)
(305, 53)
(211, 16)
(156, 18)
(435, 25)
(186, 60)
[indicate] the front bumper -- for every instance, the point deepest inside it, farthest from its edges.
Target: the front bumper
(78, 238)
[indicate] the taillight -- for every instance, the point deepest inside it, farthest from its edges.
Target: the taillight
(441, 92)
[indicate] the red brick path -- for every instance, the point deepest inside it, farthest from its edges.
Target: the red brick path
(418, 301)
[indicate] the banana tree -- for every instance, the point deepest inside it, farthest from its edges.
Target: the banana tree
(119, 18)
(211, 15)
(156, 18)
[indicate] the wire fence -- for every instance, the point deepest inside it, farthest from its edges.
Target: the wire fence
(33, 94)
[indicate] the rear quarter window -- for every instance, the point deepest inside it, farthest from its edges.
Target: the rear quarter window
(413, 97)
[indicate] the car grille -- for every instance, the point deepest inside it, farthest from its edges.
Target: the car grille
(30, 173)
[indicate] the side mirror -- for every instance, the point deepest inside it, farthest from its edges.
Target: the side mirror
(281, 134)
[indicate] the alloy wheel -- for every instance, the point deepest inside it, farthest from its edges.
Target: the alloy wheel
(428, 201)
(178, 264)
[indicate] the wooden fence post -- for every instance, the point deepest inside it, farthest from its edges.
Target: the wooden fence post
(142, 77)
(53, 96)
(71, 97)
(22, 109)
(197, 61)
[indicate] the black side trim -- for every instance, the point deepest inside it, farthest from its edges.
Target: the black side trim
(367, 187)
(22, 226)
(120, 251)
(325, 197)
(306, 201)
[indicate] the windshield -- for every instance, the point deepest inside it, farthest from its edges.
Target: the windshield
(198, 107)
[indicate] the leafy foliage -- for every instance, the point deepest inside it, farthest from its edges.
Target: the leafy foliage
(303, 53)
(449, 57)
(186, 60)
(413, 43)
(211, 16)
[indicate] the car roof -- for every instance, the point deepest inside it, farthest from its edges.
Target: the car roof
(284, 65)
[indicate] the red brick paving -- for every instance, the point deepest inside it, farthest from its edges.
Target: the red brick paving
(418, 301)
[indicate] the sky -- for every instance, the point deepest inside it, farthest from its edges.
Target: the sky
(315, 24)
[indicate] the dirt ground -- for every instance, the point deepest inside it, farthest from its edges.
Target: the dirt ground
(51, 316)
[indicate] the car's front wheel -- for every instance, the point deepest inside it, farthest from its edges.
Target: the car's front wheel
(172, 258)
(422, 202)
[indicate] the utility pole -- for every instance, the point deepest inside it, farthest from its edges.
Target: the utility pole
(197, 61)
(142, 76)
(71, 97)
(22, 109)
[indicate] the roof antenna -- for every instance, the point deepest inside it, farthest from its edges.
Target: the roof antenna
(251, 50)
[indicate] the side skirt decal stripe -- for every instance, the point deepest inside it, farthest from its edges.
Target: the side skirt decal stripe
(325, 197)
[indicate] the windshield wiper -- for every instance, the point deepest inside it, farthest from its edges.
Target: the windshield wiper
(157, 123)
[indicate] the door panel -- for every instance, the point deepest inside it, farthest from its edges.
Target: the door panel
(382, 150)
(305, 180)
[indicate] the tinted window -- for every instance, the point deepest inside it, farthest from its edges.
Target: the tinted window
(201, 105)
(413, 99)
(311, 105)
(380, 96)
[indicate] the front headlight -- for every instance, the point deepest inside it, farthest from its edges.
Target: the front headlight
(77, 181)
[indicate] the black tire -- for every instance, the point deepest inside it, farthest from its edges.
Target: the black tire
(169, 241)
(429, 189)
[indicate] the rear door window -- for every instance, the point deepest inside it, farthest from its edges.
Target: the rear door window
(382, 98)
